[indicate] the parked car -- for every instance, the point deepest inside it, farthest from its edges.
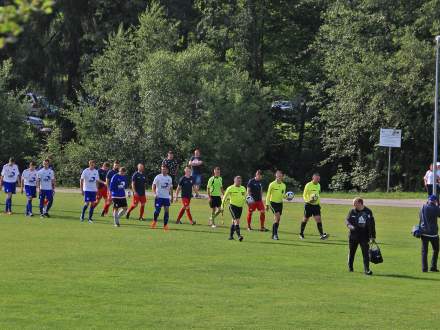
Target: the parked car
(282, 106)
(35, 122)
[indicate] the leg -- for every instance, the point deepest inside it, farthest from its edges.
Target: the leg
(435, 250)
(237, 229)
(262, 219)
(249, 217)
(166, 216)
(83, 212)
(49, 203)
(352, 246)
(91, 210)
(133, 205)
(319, 224)
(115, 216)
(142, 210)
(303, 226)
(425, 242)
(29, 205)
(8, 202)
(366, 257)
(42, 197)
(276, 224)
(180, 215)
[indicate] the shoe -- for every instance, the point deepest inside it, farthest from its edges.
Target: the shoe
(275, 238)
(424, 270)
(117, 225)
(153, 225)
(240, 238)
(166, 228)
(90, 221)
(81, 219)
(231, 238)
(42, 215)
(264, 229)
(324, 236)
(141, 219)
(102, 214)
(213, 226)
(30, 215)
(209, 222)
(301, 236)
(9, 213)
(368, 272)
(249, 229)
(127, 216)
(435, 270)
(193, 223)
(178, 222)
(350, 269)
(47, 215)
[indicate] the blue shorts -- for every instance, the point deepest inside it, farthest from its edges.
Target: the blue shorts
(159, 202)
(197, 179)
(46, 194)
(89, 196)
(9, 187)
(31, 191)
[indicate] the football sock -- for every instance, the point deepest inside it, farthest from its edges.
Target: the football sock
(156, 213)
(141, 214)
(49, 205)
(83, 211)
(91, 212)
(232, 230)
(29, 206)
(262, 219)
(319, 225)
(215, 214)
(180, 215)
(274, 230)
(303, 226)
(121, 213)
(166, 217)
(8, 204)
(188, 213)
(115, 217)
(237, 230)
(249, 219)
(106, 207)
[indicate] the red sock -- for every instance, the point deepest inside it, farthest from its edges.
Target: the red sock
(262, 219)
(132, 206)
(182, 210)
(142, 210)
(106, 207)
(188, 213)
(249, 219)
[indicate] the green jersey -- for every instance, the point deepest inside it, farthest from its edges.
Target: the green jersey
(311, 193)
(215, 186)
(275, 192)
(236, 195)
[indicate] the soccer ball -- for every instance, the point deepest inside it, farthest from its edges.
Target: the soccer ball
(290, 195)
(314, 197)
(249, 200)
(128, 193)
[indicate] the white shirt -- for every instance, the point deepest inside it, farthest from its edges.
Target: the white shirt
(163, 184)
(30, 177)
(429, 176)
(89, 177)
(10, 173)
(46, 177)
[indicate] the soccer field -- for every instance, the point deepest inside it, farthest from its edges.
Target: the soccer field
(60, 273)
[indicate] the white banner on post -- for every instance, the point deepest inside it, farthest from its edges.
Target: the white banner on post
(390, 137)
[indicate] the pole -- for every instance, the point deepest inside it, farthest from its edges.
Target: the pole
(435, 155)
(389, 169)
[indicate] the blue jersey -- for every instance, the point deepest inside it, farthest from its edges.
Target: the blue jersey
(118, 185)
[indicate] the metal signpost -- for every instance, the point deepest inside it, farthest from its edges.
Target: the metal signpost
(435, 151)
(391, 138)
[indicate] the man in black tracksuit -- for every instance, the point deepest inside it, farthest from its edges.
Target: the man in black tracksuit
(360, 222)
(429, 232)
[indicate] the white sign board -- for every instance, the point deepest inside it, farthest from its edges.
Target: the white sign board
(390, 137)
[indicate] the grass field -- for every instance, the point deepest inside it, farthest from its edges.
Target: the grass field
(58, 273)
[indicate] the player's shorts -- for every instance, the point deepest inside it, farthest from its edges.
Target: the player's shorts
(90, 196)
(46, 194)
(216, 201)
(258, 205)
(159, 202)
(119, 202)
(235, 211)
(139, 199)
(9, 187)
(31, 191)
(186, 201)
(197, 179)
(102, 193)
(276, 207)
(311, 210)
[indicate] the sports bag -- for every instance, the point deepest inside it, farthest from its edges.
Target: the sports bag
(375, 254)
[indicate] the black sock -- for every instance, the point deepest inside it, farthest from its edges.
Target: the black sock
(232, 230)
(274, 229)
(319, 225)
(237, 229)
(303, 226)
(277, 224)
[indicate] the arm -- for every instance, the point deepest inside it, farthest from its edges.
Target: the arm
(171, 193)
(372, 228)
(348, 223)
(81, 185)
(306, 194)
(22, 185)
(133, 187)
(153, 189)
(177, 193)
(225, 198)
(208, 188)
(268, 195)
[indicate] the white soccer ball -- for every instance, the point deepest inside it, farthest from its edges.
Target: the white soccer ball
(249, 200)
(290, 195)
(314, 197)
(128, 192)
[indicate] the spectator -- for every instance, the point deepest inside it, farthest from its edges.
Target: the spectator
(196, 171)
(429, 232)
(172, 165)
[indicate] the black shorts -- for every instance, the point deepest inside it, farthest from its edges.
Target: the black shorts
(235, 211)
(276, 207)
(311, 210)
(216, 201)
(119, 202)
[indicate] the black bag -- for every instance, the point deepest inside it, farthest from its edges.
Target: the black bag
(375, 254)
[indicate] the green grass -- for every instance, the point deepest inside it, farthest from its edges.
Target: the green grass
(375, 195)
(59, 273)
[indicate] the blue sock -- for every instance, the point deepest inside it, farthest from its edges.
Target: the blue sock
(8, 204)
(83, 211)
(91, 212)
(29, 206)
(49, 205)
(166, 217)
(156, 213)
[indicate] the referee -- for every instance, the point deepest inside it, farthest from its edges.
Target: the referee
(312, 207)
(274, 199)
(237, 196)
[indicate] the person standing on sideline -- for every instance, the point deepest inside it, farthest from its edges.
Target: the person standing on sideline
(163, 193)
(429, 232)
(360, 222)
(46, 184)
(108, 179)
(138, 186)
(9, 177)
(196, 166)
(172, 165)
(117, 187)
(29, 183)
(89, 187)
(215, 193)
(312, 207)
(274, 200)
(428, 180)
(186, 186)
(236, 193)
(255, 190)
(102, 188)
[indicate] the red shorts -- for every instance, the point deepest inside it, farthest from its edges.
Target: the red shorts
(257, 206)
(102, 193)
(139, 199)
(186, 201)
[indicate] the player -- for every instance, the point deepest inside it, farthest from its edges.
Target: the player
(215, 193)
(138, 186)
(29, 183)
(89, 187)
(163, 193)
(46, 184)
(102, 187)
(274, 200)
(185, 186)
(255, 190)
(8, 178)
(108, 179)
(236, 194)
(312, 206)
(117, 187)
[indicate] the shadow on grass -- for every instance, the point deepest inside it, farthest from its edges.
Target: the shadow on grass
(408, 277)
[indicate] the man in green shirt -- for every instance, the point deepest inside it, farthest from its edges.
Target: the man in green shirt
(312, 207)
(215, 192)
(274, 200)
(236, 194)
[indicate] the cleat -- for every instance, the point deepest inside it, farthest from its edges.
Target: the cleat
(41, 215)
(324, 236)
(275, 238)
(178, 222)
(240, 238)
(249, 229)
(210, 222)
(141, 219)
(9, 213)
(350, 269)
(81, 219)
(90, 221)
(264, 229)
(117, 225)
(153, 225)
(301, 236)
(166, 228)
(213, 226)
(231, 238)
(368, 272)
(193, 223)
(47, 215)
(30, 215)
(127, 216)
(102, 214)
(435, 270)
